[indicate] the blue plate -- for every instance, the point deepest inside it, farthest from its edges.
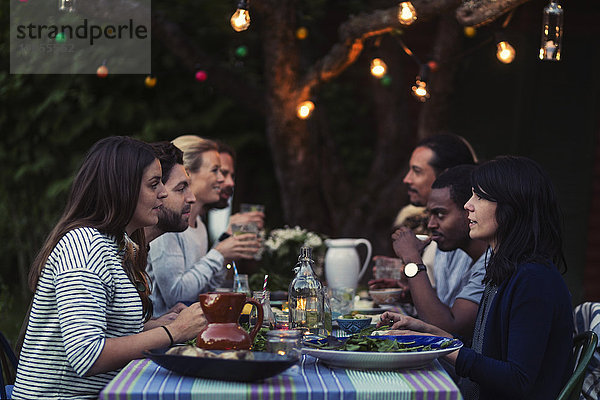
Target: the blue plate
(387, 360)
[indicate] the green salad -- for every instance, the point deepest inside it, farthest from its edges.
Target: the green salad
(363, 342)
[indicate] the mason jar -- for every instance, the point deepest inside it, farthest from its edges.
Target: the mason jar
(284, 342)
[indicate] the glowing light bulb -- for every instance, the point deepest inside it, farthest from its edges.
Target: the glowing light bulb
(305, 109)
(505, 52)
(150, 81)
(406, 13)
(378, 68)
(552, 32)
(66, 5)
(102, 71)
(240, 20)
(420, 90)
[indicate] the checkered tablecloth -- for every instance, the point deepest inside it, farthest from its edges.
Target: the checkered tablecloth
(308, 380)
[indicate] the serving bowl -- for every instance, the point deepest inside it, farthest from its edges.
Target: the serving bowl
(353, 325)
(386, 296)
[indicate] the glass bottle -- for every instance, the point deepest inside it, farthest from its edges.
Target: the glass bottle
(305, 296)
(327, 320)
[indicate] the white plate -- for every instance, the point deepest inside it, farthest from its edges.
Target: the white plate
(387, 361)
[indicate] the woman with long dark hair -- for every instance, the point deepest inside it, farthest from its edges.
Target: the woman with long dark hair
(91, 292)
(522, 343)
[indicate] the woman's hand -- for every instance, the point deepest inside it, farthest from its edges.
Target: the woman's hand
(404, 322)
(188, 323)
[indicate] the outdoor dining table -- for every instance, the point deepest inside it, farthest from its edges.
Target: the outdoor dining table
(308, 379)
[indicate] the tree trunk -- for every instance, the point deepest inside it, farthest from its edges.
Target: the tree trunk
(294, 148)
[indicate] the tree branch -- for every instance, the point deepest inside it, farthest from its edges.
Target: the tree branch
(357, 29)
(482, 12)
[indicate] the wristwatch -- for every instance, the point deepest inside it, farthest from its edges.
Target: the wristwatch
(412, 269)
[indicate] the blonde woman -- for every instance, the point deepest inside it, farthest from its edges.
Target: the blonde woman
(180, 264)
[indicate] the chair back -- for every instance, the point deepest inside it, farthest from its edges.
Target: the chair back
(8, 365)
(584, 346)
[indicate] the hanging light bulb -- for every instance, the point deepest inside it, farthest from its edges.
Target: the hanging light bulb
(419, 89)
(406, 13)
(305, 109)
(378, 68)
(552, 31)
(240, 20)
(505, 52)
(66, 5)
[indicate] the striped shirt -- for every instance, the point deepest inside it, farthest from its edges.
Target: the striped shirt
(82, 298)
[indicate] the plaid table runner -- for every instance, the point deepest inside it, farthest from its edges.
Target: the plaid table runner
(308, 380)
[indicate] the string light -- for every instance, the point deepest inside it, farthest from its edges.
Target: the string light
(305, 109)
(406, 13)
(419, 89)
(552, 31)
(150, 81)
(301, 33)
(201, 76)
(240, 20)
(505, 52)
(66, 5)
(470, 31)
(102, 71)
(378, 68)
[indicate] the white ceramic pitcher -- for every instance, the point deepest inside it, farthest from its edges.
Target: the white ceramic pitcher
(342, 264)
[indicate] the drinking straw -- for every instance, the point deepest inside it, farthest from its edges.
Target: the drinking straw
(265, 288)
(236, 277)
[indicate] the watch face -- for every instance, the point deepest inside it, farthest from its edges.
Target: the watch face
(411, 269)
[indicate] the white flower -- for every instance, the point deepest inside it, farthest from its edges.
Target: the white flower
(278, 237)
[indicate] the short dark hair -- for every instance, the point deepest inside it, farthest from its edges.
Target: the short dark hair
(528, 216)
(449, 150)
(168, 155)
(458, 181)
(225, 148)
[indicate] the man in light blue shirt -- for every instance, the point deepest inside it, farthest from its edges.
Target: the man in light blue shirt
(459, 261)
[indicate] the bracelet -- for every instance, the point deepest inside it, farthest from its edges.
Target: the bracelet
(168, 333)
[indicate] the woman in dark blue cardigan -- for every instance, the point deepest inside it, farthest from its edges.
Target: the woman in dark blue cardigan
(522, 343)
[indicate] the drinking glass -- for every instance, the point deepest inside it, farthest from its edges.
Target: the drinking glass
(341, 301)
(240, 284)
(247, 207)
(389, 268)
(284, 342)
(240, 229)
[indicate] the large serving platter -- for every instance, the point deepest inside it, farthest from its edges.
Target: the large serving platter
(264, 365)
(391, 360)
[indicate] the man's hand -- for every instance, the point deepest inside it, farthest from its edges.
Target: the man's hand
(240, 246)
(257, 217)
(383, 283)
(407, 246)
